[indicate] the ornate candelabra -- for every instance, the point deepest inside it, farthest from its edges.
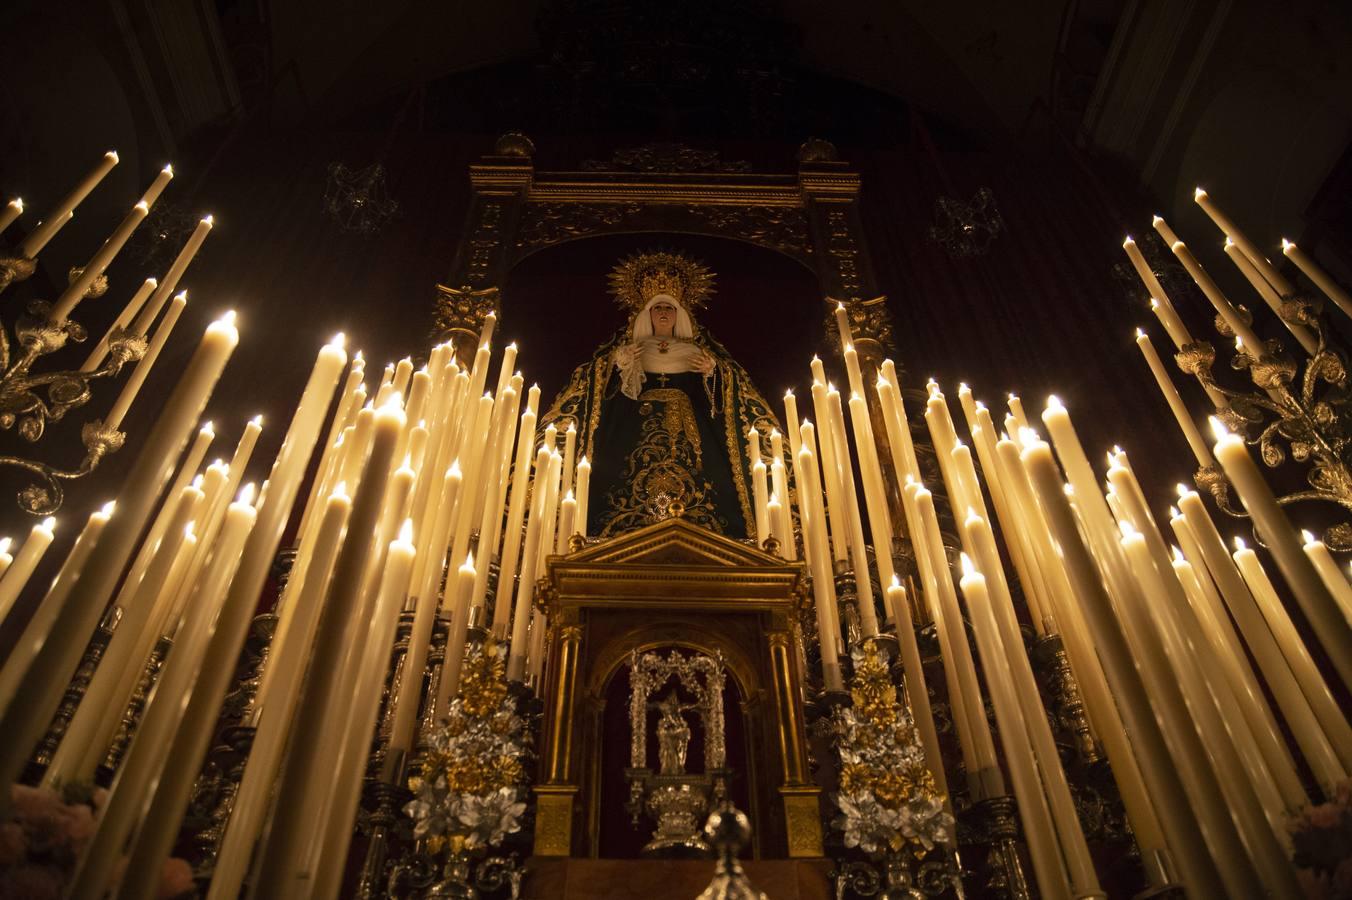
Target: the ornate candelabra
(1298, 410)
(29, 400)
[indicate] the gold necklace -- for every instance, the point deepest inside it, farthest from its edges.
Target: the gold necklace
(663, 346)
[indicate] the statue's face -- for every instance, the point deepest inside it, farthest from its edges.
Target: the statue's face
(664, 317)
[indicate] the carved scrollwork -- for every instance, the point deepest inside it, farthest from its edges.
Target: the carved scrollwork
(462, 310)
(665, 158)
(545, 224)
(869, 321)
(782, 228)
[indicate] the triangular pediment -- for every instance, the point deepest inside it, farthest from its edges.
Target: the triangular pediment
(674, 542)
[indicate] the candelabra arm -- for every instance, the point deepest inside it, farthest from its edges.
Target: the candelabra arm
(45, 495)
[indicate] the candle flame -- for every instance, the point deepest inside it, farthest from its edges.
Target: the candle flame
(1218, 428)
(5, 544)
(408, 463)
(49, 523)
(1173, 512)
(209, 220)
(17, 203)
(896, 582)
(971, 514)
(1198, 194)
(830, 389)
(339, 340)
(569, 496)
(1140, 334)
(1287, 246)
(249, 492)
(840, 306)
(980, 406)
(774, 497)
(187, 531)
(1028, 437)
(142, 206)
(1054, 403)
(583, 462)
(106, 509)
(881, 382)
(197, 483)
(571, 429)
(1127, 529)
(1183, 489)
(1307, 536)
(788, 394)
(1178, 554)
(152, 283)
(406, 532)
(113, 154)
(359, 357)
(1240, 546)
(227, 319)
(455, 468)
(1156, 219)
(1229, 242)
(469, 557)
(207, 429)
(968, 570)
(168, 169)
(1128, 242)
(339, 490)
(1154, 304)
(1068, 490)
(963, 388)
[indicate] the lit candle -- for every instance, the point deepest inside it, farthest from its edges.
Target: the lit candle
(12, 211)
(100, 351)
(61, 213)
(791, 423)
(6, 559)
(1220, 635)
(506, 367)
(852, 373)
(525, 588)
(516, 516)
(77, 289)
(780, 522)
(1218, 299)
(1246, 268)
(47, 667)
(830, 469)
(1161, 776)
(1176, 406)
(306, 774)
(753, 446)
(823, 584)
(917, 694)
(1328, 622)
(1296, 708)
(863, 584)
(21, 569)
(1222, 796)
(1227, 227)
(1312, 683)
(1328, 570)
(569, 457)
(843, 325)
(1316, 274)
(567, 520)
(957, 654)
(760, 501)
(171, 278)
(584, 491)
(333, 838)
(774, 510)
(1162, 306)
(156, 838)
(898, 429)
(138, 375)
(1037, 821)
(449, 685)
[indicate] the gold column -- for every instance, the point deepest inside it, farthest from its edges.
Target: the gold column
(801, 798)
(555, 797)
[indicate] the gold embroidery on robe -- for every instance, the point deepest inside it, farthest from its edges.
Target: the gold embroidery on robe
(664, 472)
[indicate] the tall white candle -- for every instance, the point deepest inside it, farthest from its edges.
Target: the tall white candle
(25, 561)
(1328, 570)
(516, 516)
(1265, 290)
(100, 350)
(1316, 274)
(1330, 626)
(823, 587)
(61, 213)
(584, 492)
(77, 289)
(13, 209)
(1171, 396)
(1164, 307)
(143, 365)
(1227, 227)
(171, 278)
(46, 666)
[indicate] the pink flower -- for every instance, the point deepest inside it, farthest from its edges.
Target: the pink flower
(1325, 815)
(175, 878)
(79, 824)
(31, 802)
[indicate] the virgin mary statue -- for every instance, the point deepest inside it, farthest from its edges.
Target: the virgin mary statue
(661, 409)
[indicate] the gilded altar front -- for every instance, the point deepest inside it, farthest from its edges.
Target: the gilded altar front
(674, 585)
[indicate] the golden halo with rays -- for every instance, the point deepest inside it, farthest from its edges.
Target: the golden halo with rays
(635, 279)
